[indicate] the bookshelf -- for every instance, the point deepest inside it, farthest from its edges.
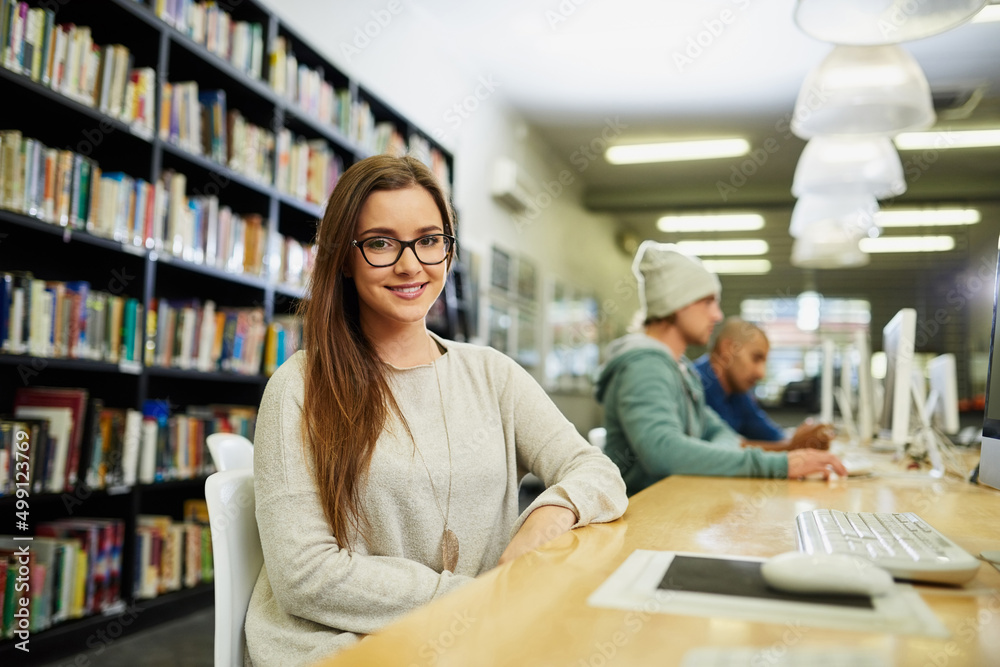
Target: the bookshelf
(173, 52)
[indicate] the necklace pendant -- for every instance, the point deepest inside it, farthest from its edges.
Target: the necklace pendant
(449, 550)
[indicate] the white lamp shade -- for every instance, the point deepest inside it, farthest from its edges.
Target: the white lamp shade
(872, 22)
(828, 245)
(854, 212)
(862, 90)
(845, 164)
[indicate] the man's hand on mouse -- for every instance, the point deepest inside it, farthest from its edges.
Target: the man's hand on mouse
(811, 436)
(804, 462)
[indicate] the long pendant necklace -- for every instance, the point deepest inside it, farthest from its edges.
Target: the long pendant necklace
(449, 541)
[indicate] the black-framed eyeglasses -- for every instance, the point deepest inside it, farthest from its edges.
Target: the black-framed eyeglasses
(381, 251)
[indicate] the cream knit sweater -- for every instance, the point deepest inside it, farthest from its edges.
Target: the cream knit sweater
(312, 597)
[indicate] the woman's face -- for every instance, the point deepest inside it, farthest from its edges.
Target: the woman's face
(402, 293)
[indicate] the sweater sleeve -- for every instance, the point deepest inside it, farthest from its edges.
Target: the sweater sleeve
(310, 575)
(651, 402)
(577, 475)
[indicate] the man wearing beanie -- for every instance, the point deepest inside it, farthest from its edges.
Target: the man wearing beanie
(654, 405)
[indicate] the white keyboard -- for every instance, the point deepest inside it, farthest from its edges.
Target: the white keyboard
(904, 544)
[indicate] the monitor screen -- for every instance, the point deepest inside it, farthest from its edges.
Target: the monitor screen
(897, 341)
(993, 383)
(943, 398)
(989, 465)
(866, 391)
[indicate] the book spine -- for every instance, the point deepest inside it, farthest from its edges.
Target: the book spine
(128, 332)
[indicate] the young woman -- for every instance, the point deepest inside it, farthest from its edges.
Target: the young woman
(387, 460)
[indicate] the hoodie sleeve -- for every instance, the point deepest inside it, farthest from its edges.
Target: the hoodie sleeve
(717, 430)
(651, 405)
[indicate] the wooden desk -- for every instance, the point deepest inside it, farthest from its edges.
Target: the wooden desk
(533, 611)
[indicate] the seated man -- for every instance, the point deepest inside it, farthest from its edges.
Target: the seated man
(736, 363)
(655, 413)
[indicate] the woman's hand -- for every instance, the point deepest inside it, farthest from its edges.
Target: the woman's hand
(543, 524)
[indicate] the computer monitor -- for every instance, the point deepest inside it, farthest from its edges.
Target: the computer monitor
(989, 464)
(826, 384)
(897, 341)
(866, 390)
(942, 401)
(847, 374)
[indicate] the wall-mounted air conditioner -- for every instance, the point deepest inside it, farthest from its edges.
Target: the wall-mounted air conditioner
(511, 185)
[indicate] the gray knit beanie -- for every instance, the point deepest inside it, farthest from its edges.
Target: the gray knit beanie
(669, 279)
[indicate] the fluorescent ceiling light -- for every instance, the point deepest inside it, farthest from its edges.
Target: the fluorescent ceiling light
(913, 141)
(737, 266)
(675, 151)
(987, 14)
(928, 217)
(907, 244)
(724, 222)
(728, 247)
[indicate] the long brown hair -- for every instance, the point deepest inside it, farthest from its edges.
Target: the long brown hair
(347, 394)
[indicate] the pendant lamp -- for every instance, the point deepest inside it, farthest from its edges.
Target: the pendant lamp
(844, 164)
(852, 212)
(827, 245)
(874, 22)
(863, 90)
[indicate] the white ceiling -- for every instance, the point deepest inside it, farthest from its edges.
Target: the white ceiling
(570, 65)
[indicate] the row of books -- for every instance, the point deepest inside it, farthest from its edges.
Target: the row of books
(284, 338)
(51, 318)
(194, 335)
(199, 230)
(129, 447)
(200, 123)
(296, 264)
(74, 566)
(75, 569)
(58, 186)
(387, 139)
(70, 320)
(314, 96)
(307, 88)
(67, 438)
(196, 229)
(239, 42)
(421, 149)
(306, 169)
(171, 555)
(65, 58)
(66, 188)
(45, 432)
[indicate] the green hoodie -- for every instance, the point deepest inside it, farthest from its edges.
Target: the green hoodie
(658, 423)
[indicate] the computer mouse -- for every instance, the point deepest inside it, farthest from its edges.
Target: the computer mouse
(798, 572)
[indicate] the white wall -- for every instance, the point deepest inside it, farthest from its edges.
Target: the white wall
(408, 64)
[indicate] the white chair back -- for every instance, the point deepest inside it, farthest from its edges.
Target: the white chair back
(230, 451)
(598, 436)
(237, 558)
